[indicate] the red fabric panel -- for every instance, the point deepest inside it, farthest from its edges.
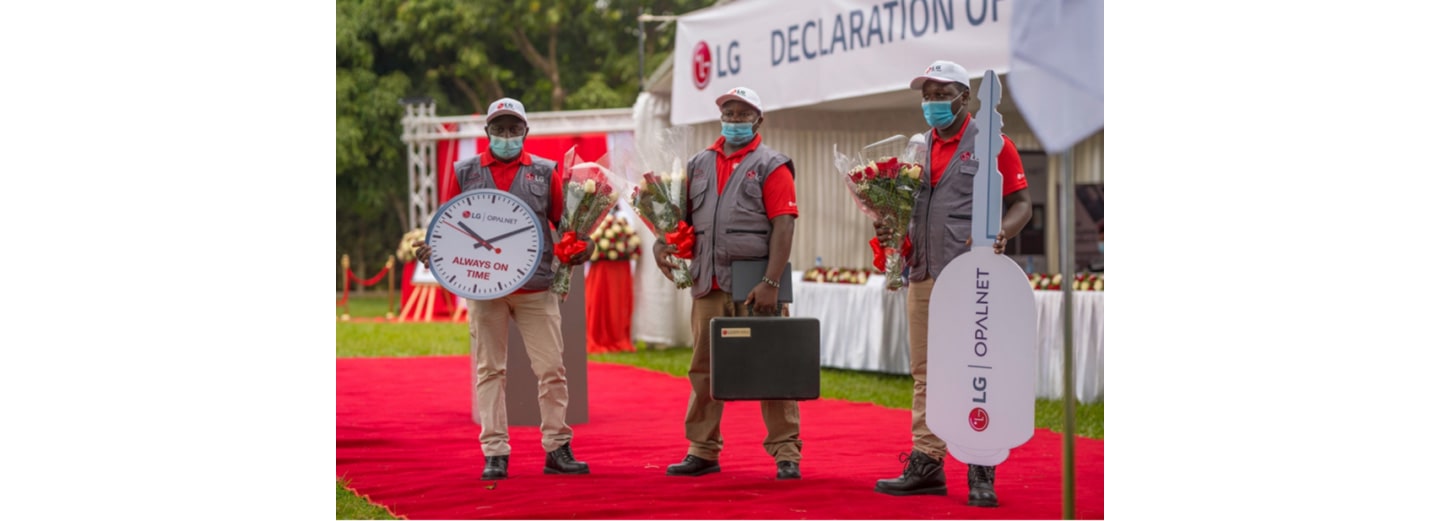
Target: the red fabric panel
(447, 152)
(404, 438)
(609, 300)
(588, 147)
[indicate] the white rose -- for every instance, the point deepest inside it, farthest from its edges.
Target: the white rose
(604, 243)
(589, 186)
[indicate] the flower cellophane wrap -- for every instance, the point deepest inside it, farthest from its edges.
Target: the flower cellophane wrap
(661, 198)
(884, 181)
(590, 190)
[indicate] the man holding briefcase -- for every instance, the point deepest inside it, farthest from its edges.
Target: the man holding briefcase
(742, 207)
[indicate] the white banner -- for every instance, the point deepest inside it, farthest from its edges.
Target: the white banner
(796, 54)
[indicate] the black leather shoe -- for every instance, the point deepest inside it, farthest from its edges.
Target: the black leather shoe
(787, 470)
(693, 466)
(922, 475)
(562, 461)
(496, 467)
(982, 486)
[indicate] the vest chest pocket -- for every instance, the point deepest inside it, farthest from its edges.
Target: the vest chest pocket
(699, 186)
(539, 189)
(752, 195)
(967, 176)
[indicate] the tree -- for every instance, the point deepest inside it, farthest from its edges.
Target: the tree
(551, 55)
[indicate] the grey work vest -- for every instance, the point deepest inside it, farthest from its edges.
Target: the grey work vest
(733, 225)
(941, 221)
(532, 185)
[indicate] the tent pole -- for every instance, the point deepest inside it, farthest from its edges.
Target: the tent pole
(1067, 270)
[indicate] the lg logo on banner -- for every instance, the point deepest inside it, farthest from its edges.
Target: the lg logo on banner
(705, 63)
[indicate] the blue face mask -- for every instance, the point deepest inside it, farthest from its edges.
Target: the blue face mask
(506, 147)
(737, 133)
(938, 113)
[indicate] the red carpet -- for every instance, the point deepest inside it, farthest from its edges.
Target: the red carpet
(405, 440)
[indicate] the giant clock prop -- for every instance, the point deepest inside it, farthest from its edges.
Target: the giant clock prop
(484, 244)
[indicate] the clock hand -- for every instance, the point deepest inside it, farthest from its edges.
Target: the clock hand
(508, 234)
(472, 234)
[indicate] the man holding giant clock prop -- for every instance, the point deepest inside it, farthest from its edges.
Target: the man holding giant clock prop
(969, 165)
(492, 244)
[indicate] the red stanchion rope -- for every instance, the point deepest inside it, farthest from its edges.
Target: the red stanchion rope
(350, 275)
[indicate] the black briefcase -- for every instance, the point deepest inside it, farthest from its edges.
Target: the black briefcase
(764, 358)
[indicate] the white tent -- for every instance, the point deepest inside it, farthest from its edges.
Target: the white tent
(832, 73)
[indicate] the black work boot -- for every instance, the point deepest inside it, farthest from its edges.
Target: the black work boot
(562, 461)
(496, 467)
(982, 486)
(693, 466)
(923, 475)
(787, 470)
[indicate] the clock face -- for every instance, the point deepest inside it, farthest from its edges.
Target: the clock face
(484, 244)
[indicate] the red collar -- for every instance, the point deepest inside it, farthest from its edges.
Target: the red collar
(966, 124)
(719, 148)
(487, 159)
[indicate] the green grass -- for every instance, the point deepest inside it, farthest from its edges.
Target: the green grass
(362, 337)
(351, 506)
(370, 339)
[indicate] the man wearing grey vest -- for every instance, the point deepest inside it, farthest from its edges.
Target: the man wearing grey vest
(742, 207)
(940, 231)
(506, 166)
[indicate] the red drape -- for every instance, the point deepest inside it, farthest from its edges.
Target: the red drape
(609, 300)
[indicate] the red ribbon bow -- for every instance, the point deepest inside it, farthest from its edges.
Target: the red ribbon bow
(879, 261)
(684, 240)
(569, 246)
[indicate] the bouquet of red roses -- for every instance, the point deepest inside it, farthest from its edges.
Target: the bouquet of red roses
(660, 202)
(661, 197)
(590, 189)
(885, 189)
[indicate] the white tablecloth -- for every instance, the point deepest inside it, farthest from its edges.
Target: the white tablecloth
(1088, 341)
(861, 326)
(864, 327)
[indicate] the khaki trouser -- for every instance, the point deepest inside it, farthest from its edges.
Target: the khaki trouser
(538, 317)
(702, 417)
(917, 306)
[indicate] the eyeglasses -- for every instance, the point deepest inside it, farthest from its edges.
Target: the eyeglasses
(507, 131)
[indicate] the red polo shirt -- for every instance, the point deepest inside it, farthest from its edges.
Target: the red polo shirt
(779, 188)
(1012, 171)
(504, 174)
